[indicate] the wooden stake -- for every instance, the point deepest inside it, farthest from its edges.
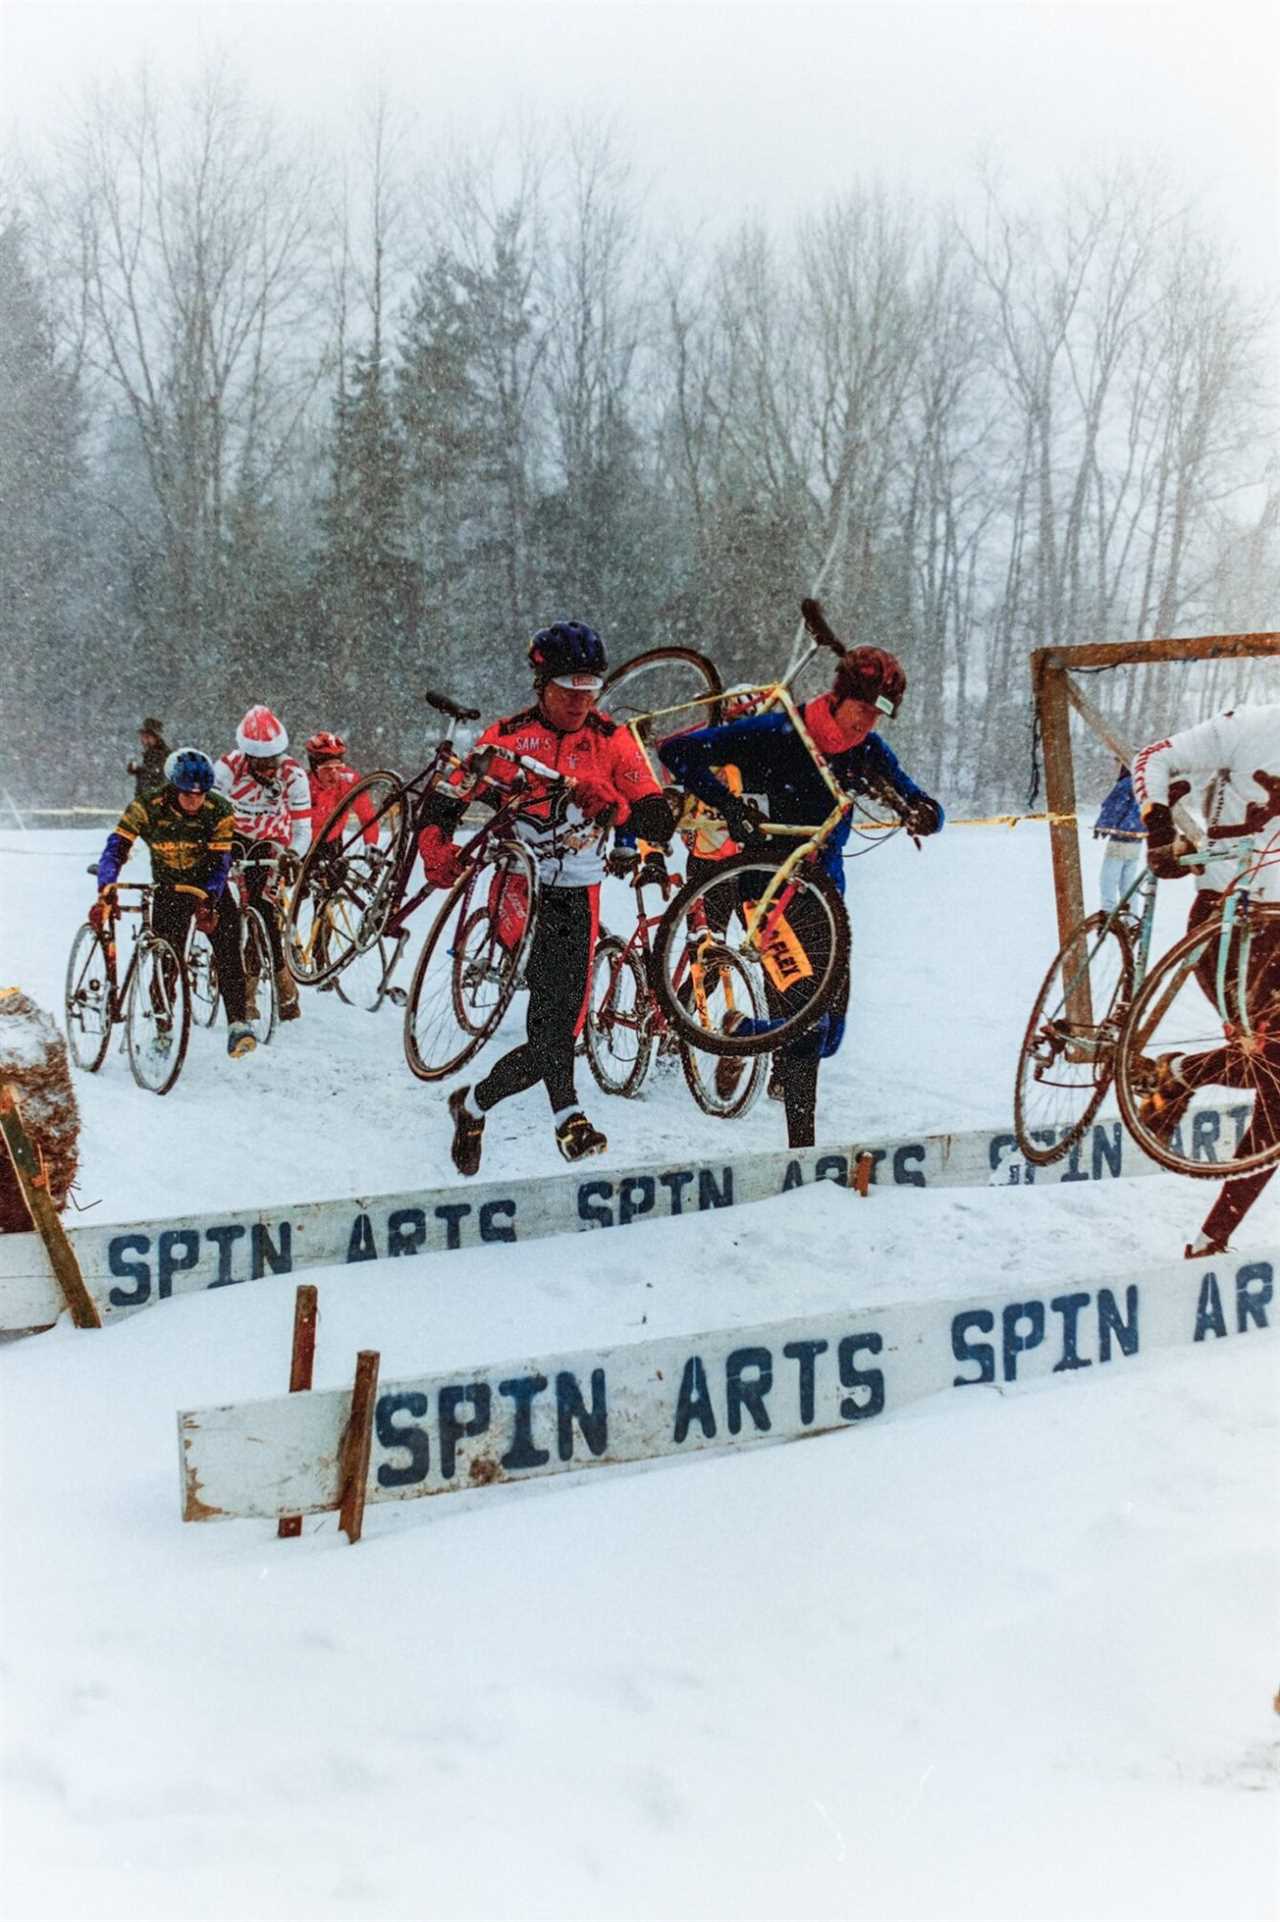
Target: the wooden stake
(300, 1370)
(862, 1172)
(357, 1443)
(34, 1184)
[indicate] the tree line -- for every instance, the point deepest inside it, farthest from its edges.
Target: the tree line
(276, 430)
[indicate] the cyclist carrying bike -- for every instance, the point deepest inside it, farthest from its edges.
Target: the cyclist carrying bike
(329, 778)
(188, 828)
(774, 762)
(272, 802)
(1237, 758)
(611, 783)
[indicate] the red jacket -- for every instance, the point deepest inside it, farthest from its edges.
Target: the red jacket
(329, 782)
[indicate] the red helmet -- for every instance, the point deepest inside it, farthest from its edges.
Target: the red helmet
(326, 747)
(260, 734)
(871, 674)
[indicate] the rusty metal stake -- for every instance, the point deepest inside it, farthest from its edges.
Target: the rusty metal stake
(357, 1443)
(34, 1184)
(862, 1168)
(305, 1310)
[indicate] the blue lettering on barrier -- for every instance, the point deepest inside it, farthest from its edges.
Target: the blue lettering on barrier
(859, 1379)
(571, 1408)
(982, 1322)
(1069, 1307)
(693, 1403)
(223, 1238)
(1210, 1319)
(453, 1214)
(832, 1168)
(1073, 1171)
(635, 1197)
(492, 1228)
(904, 1175)
(793, 1178)
(1205, 1129)
(805, 1352)
(676, 1181)
(266, 1254)
(1251, 1305)
(406, 1230)
(139, 1271)
(522, 1390)
(362, 1246)
(171, 1262)
(1111, 1151)
(711, 1196)
(1015, 1344)
(1240, 1119)
(1111, 1322)
(743, 1390)
(414, 1440)
(452, 1431)
(592, 1196)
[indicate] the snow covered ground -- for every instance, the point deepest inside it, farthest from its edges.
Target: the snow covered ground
(1006, 1654)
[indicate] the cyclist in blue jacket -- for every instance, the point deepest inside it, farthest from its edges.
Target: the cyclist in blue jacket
(774, 762)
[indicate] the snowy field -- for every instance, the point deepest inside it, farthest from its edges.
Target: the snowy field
(1002, 1655)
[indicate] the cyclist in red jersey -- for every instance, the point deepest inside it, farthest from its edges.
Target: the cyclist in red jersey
(612, 784)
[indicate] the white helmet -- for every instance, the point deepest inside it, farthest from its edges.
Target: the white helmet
(261, 734)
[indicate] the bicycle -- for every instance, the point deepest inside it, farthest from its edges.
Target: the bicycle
(1237, 954)
(1067, 1059)
(625, 1021)
(1101, 1016)
(153, 1000)
(794, 923)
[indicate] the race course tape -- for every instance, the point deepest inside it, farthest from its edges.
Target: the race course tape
(781, 1381)
(127, 1266)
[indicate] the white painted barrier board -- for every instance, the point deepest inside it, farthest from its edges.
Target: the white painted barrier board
(779, 1381)
(128, 1266)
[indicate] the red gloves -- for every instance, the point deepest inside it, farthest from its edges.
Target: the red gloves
(101, 913)
(206, 917)
(441, 860)
(597, 799)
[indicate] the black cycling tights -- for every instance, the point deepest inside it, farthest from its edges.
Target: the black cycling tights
(556, 972)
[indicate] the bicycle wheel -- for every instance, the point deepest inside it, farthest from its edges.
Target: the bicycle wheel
(350, 874)
(505, 880)
(1231, 1065)
(660, 679)
(88, 1000)
(479, 971)
(720, 984)
(157, 1015)
(260, 1000)
(202, 977)
(801, 945)
(1068, 1052)
(617, 1028)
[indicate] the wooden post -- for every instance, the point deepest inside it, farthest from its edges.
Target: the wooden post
(356, 1444)
(1060, 789)
(34, 1184)
(300, 1370)
(862, 1172)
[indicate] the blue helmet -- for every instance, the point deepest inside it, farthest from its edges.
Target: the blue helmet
(190, 771)
(567, 648)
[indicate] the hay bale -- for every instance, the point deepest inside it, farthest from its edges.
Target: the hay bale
(33, 1060)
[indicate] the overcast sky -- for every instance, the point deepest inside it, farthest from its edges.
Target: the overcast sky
(731, 107)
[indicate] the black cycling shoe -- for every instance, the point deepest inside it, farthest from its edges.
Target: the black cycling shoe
(468, 1134)
(576, 1138)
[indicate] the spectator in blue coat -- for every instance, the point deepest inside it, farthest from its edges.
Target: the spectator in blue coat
(1119, 824)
